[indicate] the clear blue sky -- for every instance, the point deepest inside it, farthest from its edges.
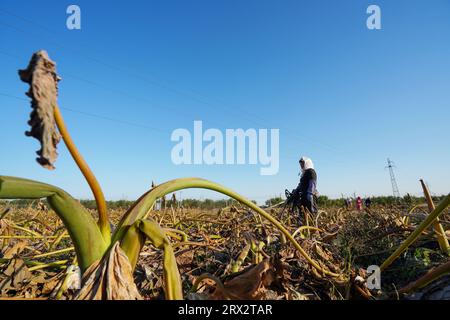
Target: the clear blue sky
(341, 94)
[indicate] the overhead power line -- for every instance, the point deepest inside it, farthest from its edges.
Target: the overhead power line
(98, 116)
(227, 112)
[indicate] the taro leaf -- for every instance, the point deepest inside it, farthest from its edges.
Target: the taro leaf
(43, 80)
(250, 285)
(109, 279)
(157, 236)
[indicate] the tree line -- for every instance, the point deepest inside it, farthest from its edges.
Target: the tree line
(323, 201)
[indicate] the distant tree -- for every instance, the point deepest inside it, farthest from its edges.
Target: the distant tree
(273, 201)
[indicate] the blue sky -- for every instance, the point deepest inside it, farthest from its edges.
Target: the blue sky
(346, 96)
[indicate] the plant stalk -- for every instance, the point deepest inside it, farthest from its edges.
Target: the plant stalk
(143, 205)
(426, 279)
(103, 220)
(413, 237)
(440, 232)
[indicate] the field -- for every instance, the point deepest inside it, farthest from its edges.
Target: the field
(233, 253)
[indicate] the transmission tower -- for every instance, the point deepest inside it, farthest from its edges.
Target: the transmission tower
(394, 183)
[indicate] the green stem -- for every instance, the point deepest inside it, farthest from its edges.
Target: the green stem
(141, 209)
(83, 230)
(153, 231)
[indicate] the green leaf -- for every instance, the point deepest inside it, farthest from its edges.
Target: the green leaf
(157, 236)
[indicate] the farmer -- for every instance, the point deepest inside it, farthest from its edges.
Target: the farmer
(359, 203)
(306, 189)
(347, 203)
(368, 202)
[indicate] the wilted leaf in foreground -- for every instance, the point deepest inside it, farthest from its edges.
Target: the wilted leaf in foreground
(250, 285)
(43, 80)
(109, 279)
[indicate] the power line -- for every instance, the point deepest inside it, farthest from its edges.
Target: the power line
(138, 75)
(120, 92)
(98, 116)
(103, 87)
(156, 83)
(135, 75)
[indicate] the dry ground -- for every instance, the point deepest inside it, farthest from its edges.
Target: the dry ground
(237, 254)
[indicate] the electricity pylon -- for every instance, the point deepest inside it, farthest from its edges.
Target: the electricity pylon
(394, 183)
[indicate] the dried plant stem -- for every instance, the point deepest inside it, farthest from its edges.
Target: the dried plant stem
(413, 237)
(440, 232)
(426, 279)
(56, 252)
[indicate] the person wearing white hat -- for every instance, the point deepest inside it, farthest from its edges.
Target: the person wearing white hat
(306, 189)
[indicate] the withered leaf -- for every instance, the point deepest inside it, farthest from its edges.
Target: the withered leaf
(109, 279)
(43, 80)
(51, 286)
(17, 275)
(14, 249)
(251, 285)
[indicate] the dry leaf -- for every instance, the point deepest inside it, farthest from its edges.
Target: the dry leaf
(17, 275)
(43, 80)
(52, 285)
(250, 285)
(109, 279)
(14, 249)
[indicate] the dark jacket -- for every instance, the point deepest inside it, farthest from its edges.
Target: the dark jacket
(307, 190)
